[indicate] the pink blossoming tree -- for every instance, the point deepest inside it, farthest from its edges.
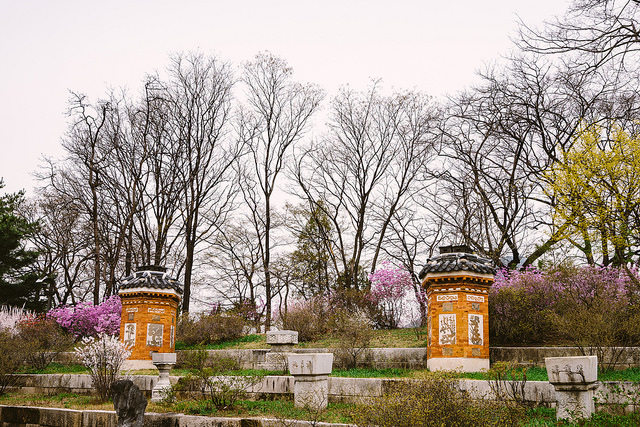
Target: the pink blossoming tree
(389, 286)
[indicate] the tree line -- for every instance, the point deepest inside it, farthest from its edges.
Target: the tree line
(227, 177)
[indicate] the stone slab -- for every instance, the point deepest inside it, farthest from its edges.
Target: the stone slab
(137, 365)
(163, 358)
(311, 364)
(462, 364)
(572, 370)
(282, 337)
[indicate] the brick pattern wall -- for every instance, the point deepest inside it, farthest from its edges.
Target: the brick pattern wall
(154, 316)
(453, 301)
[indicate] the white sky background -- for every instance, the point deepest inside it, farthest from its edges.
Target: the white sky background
(50, 47)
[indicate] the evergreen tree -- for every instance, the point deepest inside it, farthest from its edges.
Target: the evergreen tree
(312, 261)
(18, 281)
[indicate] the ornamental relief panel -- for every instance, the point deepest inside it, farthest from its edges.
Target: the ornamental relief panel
(476, 330)
(447, 329)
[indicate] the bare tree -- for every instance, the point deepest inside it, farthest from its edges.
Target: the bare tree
(275, 117)
(234, 257)
(414, 236)
(64, 248)
(154, 230)
(594, 31)
(199, 92)
(369, 164)
(80, 177)
(501, 137)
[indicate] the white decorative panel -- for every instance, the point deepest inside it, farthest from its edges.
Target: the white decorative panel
(129, 334)
(476, 330)
(154, 334)
(447, 329)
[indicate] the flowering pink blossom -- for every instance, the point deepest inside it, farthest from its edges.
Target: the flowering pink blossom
(389, 285)
(85, 319)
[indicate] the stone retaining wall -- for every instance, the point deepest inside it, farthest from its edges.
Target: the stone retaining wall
(345, 390)
(410, 358)
(56, 417)
(534, 356)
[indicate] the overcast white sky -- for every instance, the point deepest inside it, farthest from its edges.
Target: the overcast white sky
(50, 47)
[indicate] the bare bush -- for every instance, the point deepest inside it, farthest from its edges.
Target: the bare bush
(210, 328)
(354, 336)
(12, 357)
(435, 401)
(212, 385)
(43, 341)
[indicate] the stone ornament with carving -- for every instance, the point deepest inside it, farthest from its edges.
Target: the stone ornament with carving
(574, 379)
(475, 298)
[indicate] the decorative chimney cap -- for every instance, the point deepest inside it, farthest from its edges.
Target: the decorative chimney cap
(449, 261)
(151, 268)
(455, 249)
(151, 278)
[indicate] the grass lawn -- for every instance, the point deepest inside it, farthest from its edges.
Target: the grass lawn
(394, 338)
(278, 409)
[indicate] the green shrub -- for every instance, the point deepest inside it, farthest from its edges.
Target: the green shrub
(434, 401)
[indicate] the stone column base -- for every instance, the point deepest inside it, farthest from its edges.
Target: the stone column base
(311, 391)
(462, 364)
(574, 404)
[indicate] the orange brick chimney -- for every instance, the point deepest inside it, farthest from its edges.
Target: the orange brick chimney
(150, 302)
(457, 284)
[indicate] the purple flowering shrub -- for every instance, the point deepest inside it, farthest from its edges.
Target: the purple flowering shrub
(522, 308)
(600, 313)
(593, 308)
(88, 320)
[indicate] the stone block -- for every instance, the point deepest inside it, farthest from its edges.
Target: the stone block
(572, 370)
(311, 364)
(311, 392)
(163, 358)
(574, 379)
(282, 337)
(462, 364)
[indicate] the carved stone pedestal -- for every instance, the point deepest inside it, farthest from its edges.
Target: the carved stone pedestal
(574, 379)
(311, 381)
(164, 362)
